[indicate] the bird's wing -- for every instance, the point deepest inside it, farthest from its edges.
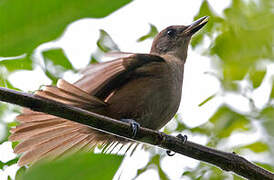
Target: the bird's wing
(101, 79)
(47, 136)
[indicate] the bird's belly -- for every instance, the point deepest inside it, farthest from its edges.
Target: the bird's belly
(150, 102)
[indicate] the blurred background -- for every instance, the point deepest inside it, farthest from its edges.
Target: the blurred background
(228, 91)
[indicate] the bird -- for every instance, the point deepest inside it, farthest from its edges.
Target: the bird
(141, 89)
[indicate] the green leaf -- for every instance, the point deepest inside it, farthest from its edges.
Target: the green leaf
(4, 82)
(9, 163)
(266, 166)
(206, 100)
(151, 34)
(80, 166)
(105, 42)
(267, 114)
(20, 172)
(26, 24)
(226, 121)
(205, 10)
(242, 40)
(257, 147)
(56, 63)
(256, 77)
(154, 160)
(57, 57)
(93, 60)
(53, 77)
(272, 90)
(11, 65)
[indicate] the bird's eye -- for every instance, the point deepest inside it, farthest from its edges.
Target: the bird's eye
(171, 32)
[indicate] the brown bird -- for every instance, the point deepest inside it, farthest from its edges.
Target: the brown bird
(142, 89)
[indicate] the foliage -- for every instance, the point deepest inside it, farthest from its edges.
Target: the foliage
(26, 24)
(153, 31)
(241, 44)
(80, 166)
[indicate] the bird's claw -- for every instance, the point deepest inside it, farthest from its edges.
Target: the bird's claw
(183, 138)
(134, 126)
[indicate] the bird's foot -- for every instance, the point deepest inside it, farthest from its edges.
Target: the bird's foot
(134, 126)
(183, 138)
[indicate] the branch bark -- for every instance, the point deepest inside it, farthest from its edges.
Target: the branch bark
(226, 161)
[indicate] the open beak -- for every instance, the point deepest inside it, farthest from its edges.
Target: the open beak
(196, 26)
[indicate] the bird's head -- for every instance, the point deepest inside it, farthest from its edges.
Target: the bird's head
(174, 40)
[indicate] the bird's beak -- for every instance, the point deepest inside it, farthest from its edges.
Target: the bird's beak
(196, 26)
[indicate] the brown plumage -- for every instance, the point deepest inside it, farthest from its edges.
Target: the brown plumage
(143, 87)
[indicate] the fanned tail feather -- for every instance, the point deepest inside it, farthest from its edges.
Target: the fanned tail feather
(44, 136)
(47, 136)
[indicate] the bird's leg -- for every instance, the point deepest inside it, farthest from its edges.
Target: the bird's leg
(183, 138)
(134, 126)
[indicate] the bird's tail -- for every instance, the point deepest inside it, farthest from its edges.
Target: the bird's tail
(47, 136)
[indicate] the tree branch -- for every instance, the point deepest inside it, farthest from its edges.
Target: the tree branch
(224, 160)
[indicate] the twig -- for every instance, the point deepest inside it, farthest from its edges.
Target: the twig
(224, 160)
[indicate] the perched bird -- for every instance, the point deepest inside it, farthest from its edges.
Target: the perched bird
(142, 89)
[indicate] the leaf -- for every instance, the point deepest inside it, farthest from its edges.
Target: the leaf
(80, 166)
(26, 24)
(242, 40)
(205, 10)
(93, 60)
(4, 82)
(154, 160)
(53, 77)
(57, 57)
(226, 121)
(272, 90)
(56, 63)
(11, 65)
(105, 42)
(256, 77)
(257, 147)
(267, 114)
(151, 34)
(266, 166)
(20, 172)
(206, 100)
(9, 163)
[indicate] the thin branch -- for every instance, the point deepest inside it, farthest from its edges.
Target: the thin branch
(224, 160)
